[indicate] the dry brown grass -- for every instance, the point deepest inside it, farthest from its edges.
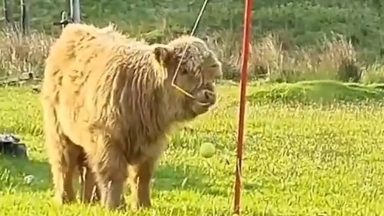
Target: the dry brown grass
(335, 58)
(340, 57)
(228, 50)
(22, 54)
(373, 74)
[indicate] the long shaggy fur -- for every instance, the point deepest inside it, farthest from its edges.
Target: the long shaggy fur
(110, 98)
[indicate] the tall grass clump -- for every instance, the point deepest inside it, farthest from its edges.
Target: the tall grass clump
(339, 57)
(334, 59)
(21, 54)
(373, 73)
(228, 49)
(268, 59)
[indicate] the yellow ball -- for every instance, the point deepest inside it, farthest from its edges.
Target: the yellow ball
(207, 150)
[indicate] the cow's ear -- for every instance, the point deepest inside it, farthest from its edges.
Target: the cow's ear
(163, 54)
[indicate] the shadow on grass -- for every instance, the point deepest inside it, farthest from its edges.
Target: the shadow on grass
(167, 177)
(184, 178)
(14, 170)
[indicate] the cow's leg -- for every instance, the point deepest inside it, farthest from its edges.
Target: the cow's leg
(140, 179)
(62, 156)
(110, 167)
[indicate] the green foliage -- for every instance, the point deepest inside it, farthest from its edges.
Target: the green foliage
(301, 22)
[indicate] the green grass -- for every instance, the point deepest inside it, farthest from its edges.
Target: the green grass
(324, 91)
(314, 159)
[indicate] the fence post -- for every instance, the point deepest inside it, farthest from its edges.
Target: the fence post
(75, 10)
(70, 5)
(24, 16)
(66, 17)
(8, 12)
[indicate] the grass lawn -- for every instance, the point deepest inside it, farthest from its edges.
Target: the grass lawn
(301, 159)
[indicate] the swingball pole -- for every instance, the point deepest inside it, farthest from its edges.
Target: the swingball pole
(243, 90)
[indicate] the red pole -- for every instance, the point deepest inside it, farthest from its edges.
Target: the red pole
(244, 78)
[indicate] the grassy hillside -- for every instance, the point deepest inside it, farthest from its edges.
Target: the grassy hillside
(300, 22)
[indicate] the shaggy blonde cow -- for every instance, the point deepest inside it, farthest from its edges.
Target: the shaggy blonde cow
(111, 99)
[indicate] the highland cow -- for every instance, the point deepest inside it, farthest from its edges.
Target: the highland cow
(111, 99)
